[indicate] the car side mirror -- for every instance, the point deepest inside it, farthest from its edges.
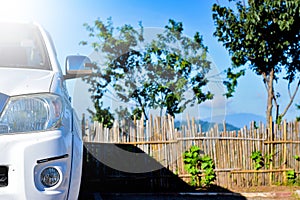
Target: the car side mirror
(77, 66)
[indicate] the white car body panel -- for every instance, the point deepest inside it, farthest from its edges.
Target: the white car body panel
(26, 154)
(24, 81)
(21, 153)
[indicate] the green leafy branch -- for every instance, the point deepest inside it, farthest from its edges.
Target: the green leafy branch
(208, 165)
(231, 81)
(196, 165)
(291, 177)
(258, 159)
(261, 161)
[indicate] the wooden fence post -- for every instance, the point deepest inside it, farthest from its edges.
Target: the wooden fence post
(284, 151)
(231, 150)
(271, 138)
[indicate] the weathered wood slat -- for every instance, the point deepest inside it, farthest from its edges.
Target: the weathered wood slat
(231, 150)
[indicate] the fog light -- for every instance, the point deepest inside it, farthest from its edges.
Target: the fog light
(50, 177)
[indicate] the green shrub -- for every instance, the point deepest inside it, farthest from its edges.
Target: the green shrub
(200, 168)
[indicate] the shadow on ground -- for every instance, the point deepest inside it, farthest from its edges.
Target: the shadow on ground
(99, 179)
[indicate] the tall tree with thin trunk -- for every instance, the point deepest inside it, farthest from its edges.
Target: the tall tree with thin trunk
(264, 35)
(167, 73)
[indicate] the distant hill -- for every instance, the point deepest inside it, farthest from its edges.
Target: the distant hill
(206, 126)
(238, 120)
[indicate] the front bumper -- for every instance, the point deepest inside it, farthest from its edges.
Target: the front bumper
(26, 155)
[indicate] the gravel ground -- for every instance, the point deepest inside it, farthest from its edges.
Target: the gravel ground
(213, 196)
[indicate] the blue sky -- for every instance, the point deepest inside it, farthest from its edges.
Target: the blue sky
(64, 20)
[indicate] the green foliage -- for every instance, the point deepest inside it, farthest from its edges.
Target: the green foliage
(102, 115)
(268, 160)
(264, 35)
(156, 76)
(255, 125)
(194, 164)
(279, 120)
(258, 159)
(191, 159)
(261, 161)
(291, 177)
(231, 81)
(208, 165)
(297, 157)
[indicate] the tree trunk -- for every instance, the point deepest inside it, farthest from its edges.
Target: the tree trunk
(270, 97)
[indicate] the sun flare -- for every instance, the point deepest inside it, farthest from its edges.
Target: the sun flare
(15, 9)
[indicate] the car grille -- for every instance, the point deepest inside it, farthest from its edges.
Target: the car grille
(3, 176)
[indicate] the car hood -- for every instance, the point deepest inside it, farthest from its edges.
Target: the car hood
(15, 81)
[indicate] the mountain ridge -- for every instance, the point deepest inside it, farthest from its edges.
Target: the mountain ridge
(238, 120)
(206, 126)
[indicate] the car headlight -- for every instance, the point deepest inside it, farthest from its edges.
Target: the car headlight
(31, 113)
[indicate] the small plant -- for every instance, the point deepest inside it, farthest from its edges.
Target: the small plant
(291, 177)
(268, 160)
(297, 157)
(258, 159)
(208, 165)
(191, 159)
(194, 164)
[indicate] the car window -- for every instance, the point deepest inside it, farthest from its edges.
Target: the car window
(21, 46)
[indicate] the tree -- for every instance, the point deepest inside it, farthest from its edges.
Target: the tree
(102, 115)
(155, 74)
(263, 34)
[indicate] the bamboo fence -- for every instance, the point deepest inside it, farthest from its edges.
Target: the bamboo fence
(230, 150)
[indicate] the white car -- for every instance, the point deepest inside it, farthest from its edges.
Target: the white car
(40, 135)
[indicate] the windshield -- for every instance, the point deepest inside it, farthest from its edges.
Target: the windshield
(21, 46)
